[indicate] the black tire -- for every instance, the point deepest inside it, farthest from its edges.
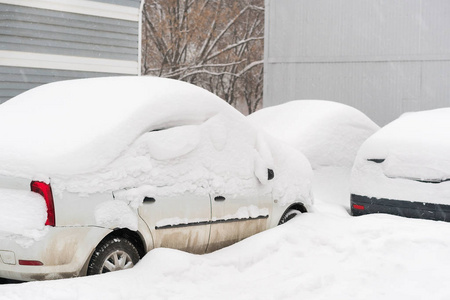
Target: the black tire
(112, 255)
(289, 215)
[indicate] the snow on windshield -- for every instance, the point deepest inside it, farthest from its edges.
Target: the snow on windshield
(328, 133)
(78, 126)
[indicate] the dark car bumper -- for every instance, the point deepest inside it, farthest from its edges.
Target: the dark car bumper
(362, 205)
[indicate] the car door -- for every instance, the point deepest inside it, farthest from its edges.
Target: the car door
(178, 221)
(235, 217)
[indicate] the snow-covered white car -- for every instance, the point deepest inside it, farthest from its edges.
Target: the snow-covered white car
(328, 133)
(94, 173)
(404, 169)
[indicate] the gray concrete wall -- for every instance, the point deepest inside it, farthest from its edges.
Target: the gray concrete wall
(382, 57)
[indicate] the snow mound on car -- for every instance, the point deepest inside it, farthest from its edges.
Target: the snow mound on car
(140, 133)
(192, 159)
(415, 145)
(78, 126)
(328, 133)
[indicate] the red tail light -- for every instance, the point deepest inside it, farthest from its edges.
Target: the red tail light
(30, 262)
(359, 207)
(45, 190)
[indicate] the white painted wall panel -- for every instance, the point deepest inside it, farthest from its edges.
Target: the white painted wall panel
(382, 57)
(57, 39)
(330, 28)
(380, 90)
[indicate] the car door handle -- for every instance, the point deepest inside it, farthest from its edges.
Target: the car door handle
(219, 198)
(149, 200)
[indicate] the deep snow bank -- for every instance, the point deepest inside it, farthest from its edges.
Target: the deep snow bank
(328, 133)
(323, 255)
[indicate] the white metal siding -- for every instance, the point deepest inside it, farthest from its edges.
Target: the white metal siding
(45, 41)
(382, 57)
(15, 80)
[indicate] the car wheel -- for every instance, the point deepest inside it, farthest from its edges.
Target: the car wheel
(289, 215)
(113, 255)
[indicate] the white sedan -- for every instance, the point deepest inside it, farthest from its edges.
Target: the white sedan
(94, 173)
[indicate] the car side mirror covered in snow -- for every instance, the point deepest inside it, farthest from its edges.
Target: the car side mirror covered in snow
(270, 174)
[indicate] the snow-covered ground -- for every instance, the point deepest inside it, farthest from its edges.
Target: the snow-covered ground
(325, 254)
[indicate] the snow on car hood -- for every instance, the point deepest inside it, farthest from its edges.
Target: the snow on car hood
(415, 146)
(328, 133)
(78, 126)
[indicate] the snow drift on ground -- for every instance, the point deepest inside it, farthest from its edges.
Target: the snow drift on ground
(328, 133)
(413, 147)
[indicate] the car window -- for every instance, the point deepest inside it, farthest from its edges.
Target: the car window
(170, 143)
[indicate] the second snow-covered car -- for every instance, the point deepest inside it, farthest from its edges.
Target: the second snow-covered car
(94, 173)
(328, 133)
(404, 169)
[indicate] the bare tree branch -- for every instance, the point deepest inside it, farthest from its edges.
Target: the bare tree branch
(216, 44)
(229, 47)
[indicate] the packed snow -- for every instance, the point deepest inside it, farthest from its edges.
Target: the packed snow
(328, 133)
(27, 223)
(110, 213)
(410, 149)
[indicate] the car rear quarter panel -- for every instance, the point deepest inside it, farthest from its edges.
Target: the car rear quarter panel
(73, 209)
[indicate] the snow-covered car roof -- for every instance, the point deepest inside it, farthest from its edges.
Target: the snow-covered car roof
(80, 125)
(328, 133)
(414, 146)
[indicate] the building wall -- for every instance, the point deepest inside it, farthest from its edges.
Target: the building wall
(382, 57)
(42, 41)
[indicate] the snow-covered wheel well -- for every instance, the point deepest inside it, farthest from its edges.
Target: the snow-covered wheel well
(134, 237)
(299, 207)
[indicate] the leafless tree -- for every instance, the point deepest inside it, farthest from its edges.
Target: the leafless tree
(215, 44)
